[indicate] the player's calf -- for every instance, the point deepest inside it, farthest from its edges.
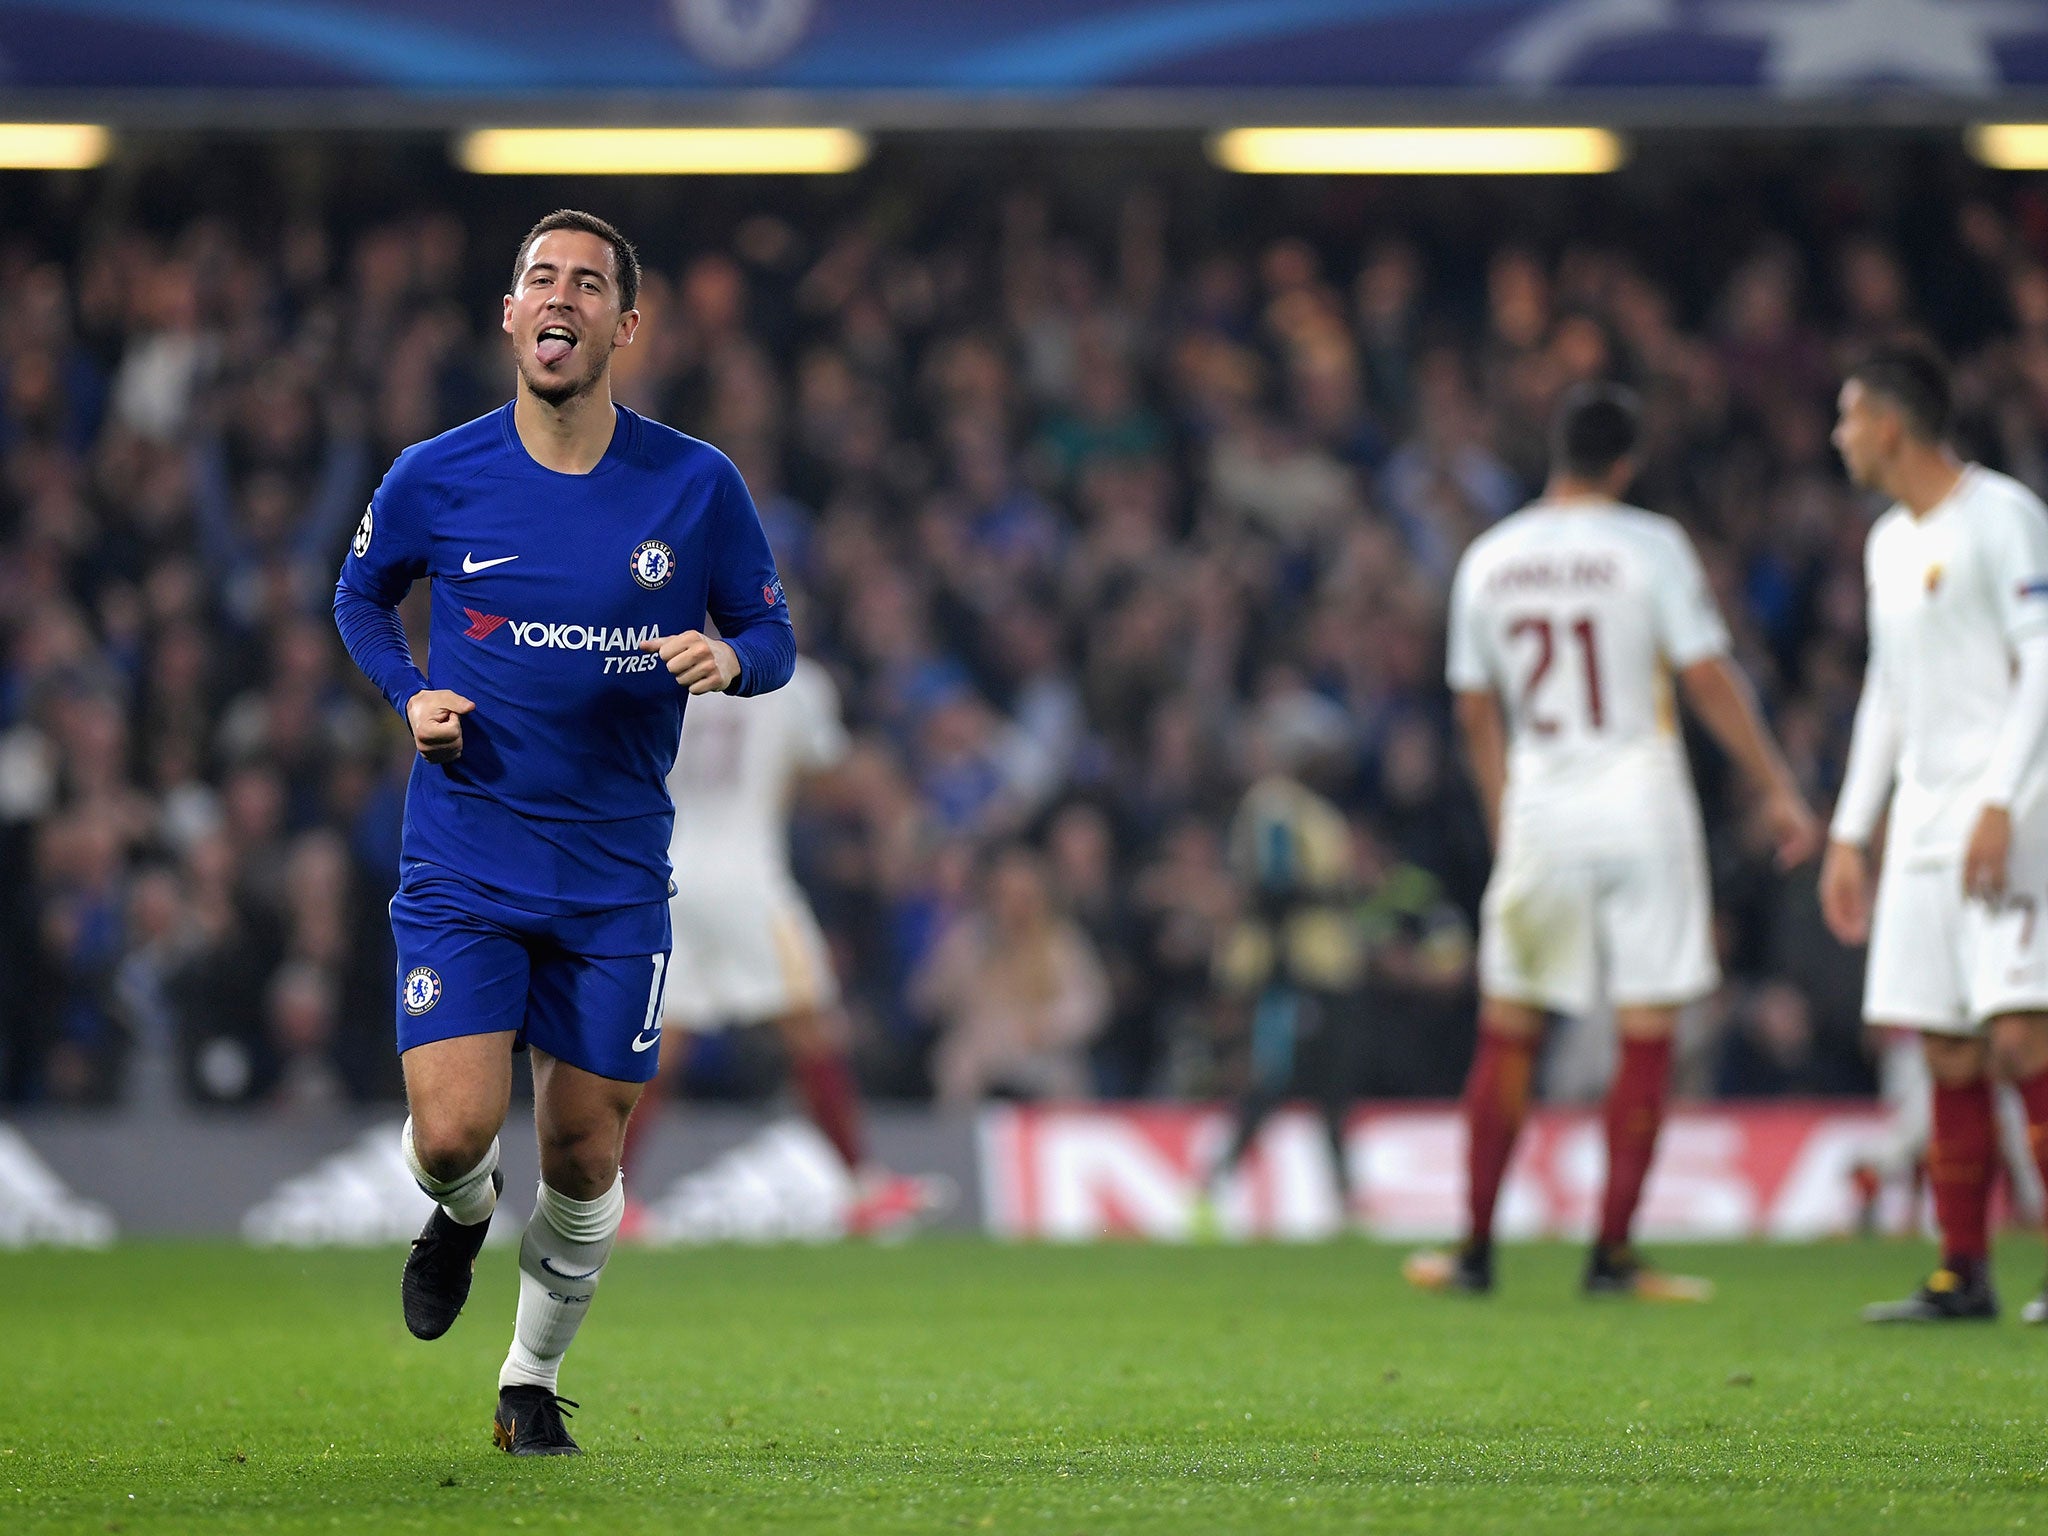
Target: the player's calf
(442, 1261)
(561, 1259)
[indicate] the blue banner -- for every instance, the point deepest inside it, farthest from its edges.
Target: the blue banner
(1791, 48)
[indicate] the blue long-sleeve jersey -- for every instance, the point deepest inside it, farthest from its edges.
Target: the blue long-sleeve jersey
(544, 585)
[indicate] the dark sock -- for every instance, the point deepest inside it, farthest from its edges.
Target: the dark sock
(1334, 1112)
(2033, 1093)
(830, 1095)
(1960, 1158)
(1496, 1103)
(1634, 1114)
(1250, 1119)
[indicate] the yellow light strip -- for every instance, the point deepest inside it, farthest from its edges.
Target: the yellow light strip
(660, 151)
(2010, 146)
(1418, 151)
(53, 146)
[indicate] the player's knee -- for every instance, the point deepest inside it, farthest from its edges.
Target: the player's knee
(802, 1038)
(447, 1148)
(2019, 1045)
(582, 1163)
(1646, 1023)
(1954, 1061)
(813, 1033)
(1515, 1021)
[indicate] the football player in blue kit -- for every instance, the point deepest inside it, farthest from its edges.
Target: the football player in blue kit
(575, 549)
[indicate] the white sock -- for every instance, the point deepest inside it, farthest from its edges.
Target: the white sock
(468, 1198)
(561, 1259)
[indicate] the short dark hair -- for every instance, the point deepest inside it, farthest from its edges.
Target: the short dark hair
(625, 260)
(1595, 427)
(1914, 377)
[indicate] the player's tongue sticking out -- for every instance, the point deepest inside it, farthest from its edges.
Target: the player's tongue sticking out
(553, 346)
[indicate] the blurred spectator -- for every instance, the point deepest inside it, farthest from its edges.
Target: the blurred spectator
(301, 1009)
(219, 986)
(1017, 992)
(1184, 900)
(1420, 1001)
(1089, 885)
(83, 897)
(1079, 488)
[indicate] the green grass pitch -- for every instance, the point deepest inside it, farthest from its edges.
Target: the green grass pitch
(955, 1385)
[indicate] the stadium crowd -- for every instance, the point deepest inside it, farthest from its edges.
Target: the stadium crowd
(1087, 503)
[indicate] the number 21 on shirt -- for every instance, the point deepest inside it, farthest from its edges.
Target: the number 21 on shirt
(1538, 636)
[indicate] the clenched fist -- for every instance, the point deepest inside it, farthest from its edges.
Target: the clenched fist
(698, 662)
(435, 715)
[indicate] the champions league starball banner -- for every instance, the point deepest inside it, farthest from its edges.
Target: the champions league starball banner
(1789, 48)
(1056, 1172)
(1723, 1172)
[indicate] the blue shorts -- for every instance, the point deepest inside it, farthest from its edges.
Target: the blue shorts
(584, 987)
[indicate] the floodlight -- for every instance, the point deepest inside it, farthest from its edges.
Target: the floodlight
(53, 146)
(660, 151)
(1418, 151)
(2010, 146)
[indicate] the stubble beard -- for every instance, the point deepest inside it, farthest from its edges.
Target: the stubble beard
(559, 392)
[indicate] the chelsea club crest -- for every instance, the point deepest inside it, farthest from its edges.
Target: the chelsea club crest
(422, 989)
(653, 563)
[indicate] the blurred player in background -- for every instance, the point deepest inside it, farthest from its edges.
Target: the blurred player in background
(1567, 620)
(576, 549)
(747, 948)
(1294, 962)
(1950, 728)
(1895, 1157)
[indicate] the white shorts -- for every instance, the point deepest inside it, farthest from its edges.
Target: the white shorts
(1942, 962)
(743, 955)
(1558, 931)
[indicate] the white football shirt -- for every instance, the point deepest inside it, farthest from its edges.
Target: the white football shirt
(736, 770)
(1951, 593)
(1575, 614)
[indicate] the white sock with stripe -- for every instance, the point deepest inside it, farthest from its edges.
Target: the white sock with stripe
(561, 1259)
(469, 1198)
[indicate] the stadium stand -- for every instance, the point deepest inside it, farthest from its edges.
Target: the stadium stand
(1078, 482)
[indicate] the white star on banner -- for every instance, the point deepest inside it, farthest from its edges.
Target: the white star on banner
(1822, 45)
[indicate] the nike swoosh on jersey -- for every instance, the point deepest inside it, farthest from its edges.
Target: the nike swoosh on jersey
(471, 565)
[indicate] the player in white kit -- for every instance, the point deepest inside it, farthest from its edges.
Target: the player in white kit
(1568, 622)
(1950, 728)
(747, 949)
